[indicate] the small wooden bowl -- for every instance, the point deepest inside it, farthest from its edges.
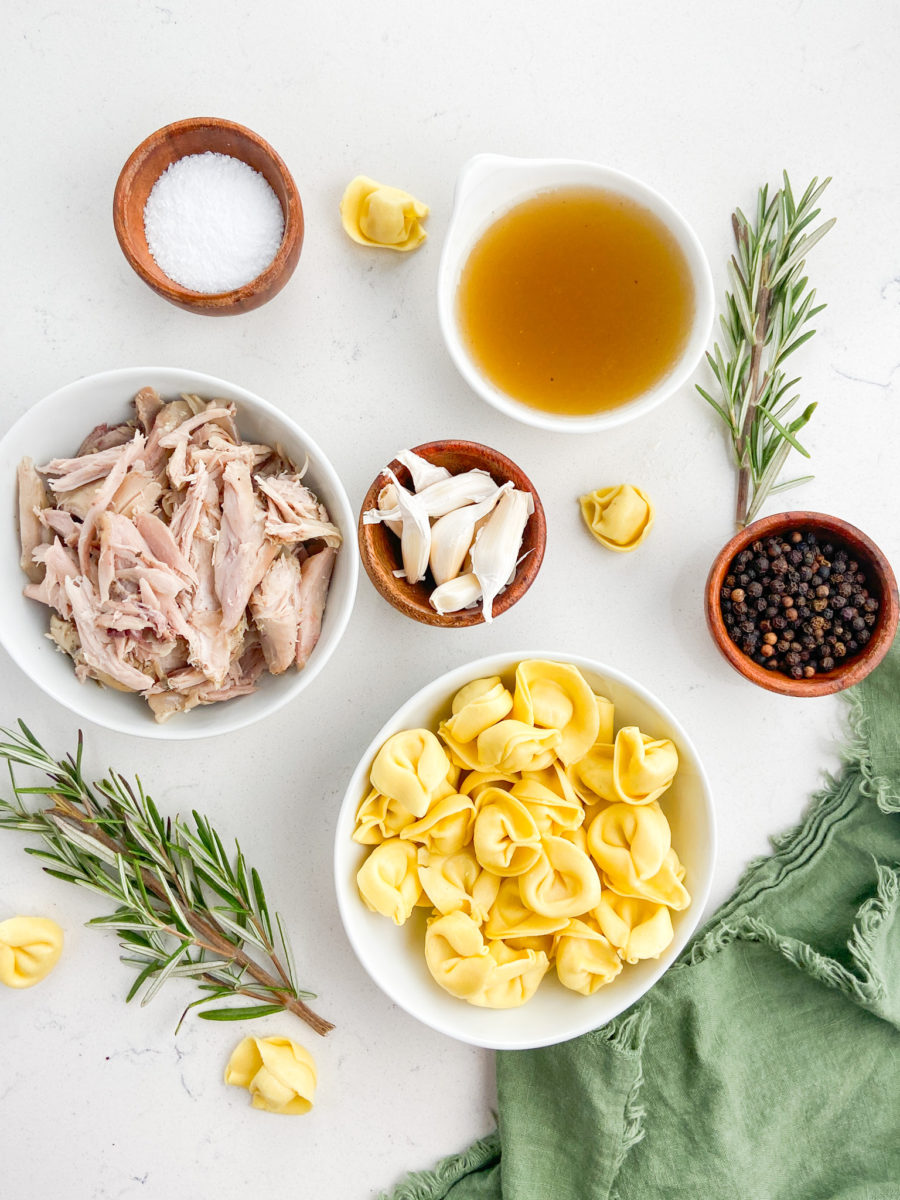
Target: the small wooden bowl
(881, 583)
(380, 549)
(196, 135)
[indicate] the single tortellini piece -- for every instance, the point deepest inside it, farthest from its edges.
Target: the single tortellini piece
(632, 847)
(410, 767)
(643, 767)
(635, 769)
(376, 215)
(378, 818)
(506, 838)
(637, 928)
(585, 959)
(388, 880)
(458, 883)
(514, 977)
(478, 705)
(563, 882)
(618, 517)
(446, 827)
(279, 1074)
(510, 919)
(29, 950)
(555, 695)
(627, 841)
(553, 814)
(517, 746)
(457, 955)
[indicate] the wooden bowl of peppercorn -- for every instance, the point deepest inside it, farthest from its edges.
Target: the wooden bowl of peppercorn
(802, 604)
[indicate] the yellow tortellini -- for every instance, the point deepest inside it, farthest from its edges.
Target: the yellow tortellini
(388, 880)
(279, 1074)
(513, 978)
(478, 705)
(410, 767)
(552, 813)
(510, 918)
(643, 767)
(506, 838)
(635, 769)
(618, 517)
(533, 832)
(556, 696)
(376, 215)
(457, 955)
(562, 883)
(446, 827)
(637, 928)
(380, 818)
(585, 959)
(632, 847)
(29, 950)
(458, 883)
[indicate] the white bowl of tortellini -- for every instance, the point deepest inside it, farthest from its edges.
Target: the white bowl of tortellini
(524, 848)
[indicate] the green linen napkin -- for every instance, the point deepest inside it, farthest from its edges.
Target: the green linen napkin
(766, 1062)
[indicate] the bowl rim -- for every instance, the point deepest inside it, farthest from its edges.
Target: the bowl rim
(596, 174)
(853, 670)
(465, 618)
(135, 377)
(155, 277)
(447, 683)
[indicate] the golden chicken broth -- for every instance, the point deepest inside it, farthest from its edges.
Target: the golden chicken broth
(576, 301)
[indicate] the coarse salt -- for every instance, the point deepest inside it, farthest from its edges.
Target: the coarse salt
(212, 222)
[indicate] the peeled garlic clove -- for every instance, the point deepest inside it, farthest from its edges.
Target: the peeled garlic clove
(415, 536)
(461, 592)
(469, 487)
(497, 546)
(422, 471)
(452, 534)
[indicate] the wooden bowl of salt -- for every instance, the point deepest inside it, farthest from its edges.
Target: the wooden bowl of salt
(225, 220)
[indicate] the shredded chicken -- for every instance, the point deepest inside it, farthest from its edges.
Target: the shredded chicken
(177, 561)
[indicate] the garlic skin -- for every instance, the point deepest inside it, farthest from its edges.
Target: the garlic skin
(376, 215)
(29, 950)
(496, 548)
(423, 473)
(415, 535)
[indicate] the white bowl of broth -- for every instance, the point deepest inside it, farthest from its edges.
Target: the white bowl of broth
(571, 296)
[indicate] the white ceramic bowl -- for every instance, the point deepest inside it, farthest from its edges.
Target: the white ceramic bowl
(56, 426)
(394, 956)
(491, 184)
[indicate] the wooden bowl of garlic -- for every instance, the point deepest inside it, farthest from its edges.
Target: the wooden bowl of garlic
(452, 533)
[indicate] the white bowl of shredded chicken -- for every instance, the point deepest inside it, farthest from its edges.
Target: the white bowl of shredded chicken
(175, 560)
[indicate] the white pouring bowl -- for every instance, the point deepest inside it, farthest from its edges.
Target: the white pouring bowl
(394, 957)
(55, 427)
(487, 187)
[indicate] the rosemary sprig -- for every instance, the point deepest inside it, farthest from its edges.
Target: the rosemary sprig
(185, 909)
(765, 321)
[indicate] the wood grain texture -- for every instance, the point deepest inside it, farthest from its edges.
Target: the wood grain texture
(196, 135)
(380, 549)
(881, 581)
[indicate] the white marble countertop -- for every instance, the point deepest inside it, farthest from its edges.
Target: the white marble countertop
(704, 101)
